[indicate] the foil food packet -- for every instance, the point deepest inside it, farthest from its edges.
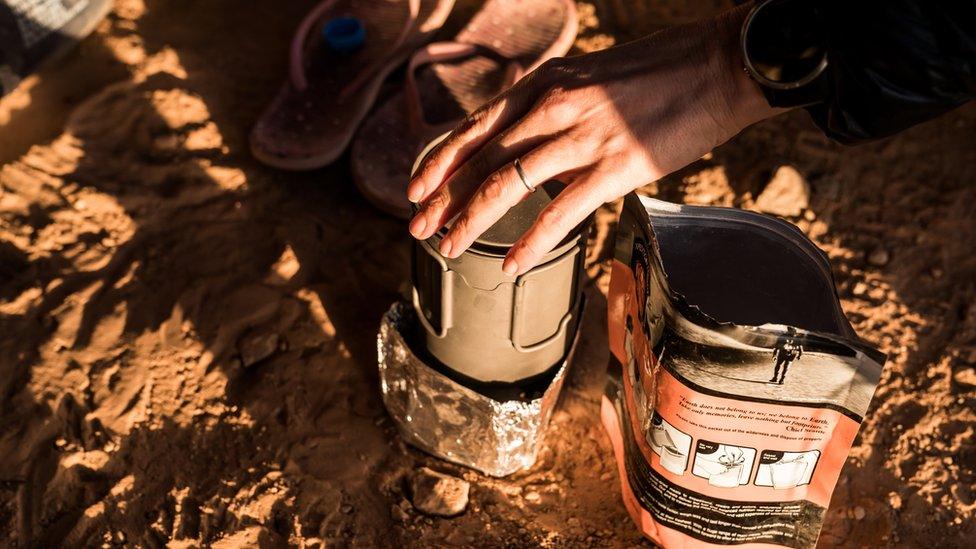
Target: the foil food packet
(736, 385)
(495, 432)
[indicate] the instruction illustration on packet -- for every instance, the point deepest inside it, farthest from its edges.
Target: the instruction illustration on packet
(671, 445)
(724, 465)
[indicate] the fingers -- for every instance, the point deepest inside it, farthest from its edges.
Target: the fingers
(503, 189)
(571, 207)
(471, 135)
(450, 198)
(546, 122)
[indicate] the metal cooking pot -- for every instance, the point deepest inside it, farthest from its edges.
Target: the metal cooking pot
(489, 326)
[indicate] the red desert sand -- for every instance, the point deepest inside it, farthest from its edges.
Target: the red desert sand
(187, 352)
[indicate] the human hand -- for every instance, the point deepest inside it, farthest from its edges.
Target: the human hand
(603, 123)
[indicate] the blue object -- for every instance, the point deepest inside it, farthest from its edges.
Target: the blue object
(344, 34)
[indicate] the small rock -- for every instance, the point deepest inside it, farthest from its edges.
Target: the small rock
(787, 194)
(166, 142)
(533, 497)
(860, 513)
(859, 289)
(438, 494)
(879, 257)
(285, 269)
(511, 489)
(965, 377)
(398, 514)
(258, 347)
(347, 509)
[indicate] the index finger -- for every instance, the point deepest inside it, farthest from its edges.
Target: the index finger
(479, 128)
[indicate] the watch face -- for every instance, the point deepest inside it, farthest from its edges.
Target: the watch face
(784, 43)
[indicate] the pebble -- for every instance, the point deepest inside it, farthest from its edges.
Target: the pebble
(895, 500)
(399, 514)
(879, 257)
(438, 494)
(860, 513)
(787, 194)
(966, 377)
(860, 289)
(533, 497)
(258, 347)
(166, 142)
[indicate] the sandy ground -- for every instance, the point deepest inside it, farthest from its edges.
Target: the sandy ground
(187, 345)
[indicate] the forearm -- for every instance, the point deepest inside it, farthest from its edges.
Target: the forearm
(747, 101)
(703, 57)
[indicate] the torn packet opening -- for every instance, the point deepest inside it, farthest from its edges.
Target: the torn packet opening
(736, 384)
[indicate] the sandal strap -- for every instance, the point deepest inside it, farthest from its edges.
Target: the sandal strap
(438, 52)
(301, 39)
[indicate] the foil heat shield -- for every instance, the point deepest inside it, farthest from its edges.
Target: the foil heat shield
(452, 421)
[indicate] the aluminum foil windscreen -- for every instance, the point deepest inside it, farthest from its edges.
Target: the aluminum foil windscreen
(451, 421)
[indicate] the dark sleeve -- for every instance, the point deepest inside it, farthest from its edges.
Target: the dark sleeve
(894, 64)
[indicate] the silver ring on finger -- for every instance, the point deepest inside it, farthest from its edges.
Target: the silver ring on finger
(521, 174)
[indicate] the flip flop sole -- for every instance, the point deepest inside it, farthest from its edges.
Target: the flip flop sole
(310, 128)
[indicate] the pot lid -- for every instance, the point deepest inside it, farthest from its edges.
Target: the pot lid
(507, 230)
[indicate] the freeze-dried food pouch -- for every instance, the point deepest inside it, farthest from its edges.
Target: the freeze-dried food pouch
(736, 385)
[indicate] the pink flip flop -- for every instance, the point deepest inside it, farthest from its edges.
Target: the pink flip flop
(446, 81)
(329, 91)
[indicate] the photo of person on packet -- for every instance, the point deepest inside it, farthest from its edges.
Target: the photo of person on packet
(650, 328)
(786, 353)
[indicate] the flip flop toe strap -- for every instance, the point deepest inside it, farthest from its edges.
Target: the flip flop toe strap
(440, 52)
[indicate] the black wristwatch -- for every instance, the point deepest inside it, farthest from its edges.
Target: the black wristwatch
(784, 48)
